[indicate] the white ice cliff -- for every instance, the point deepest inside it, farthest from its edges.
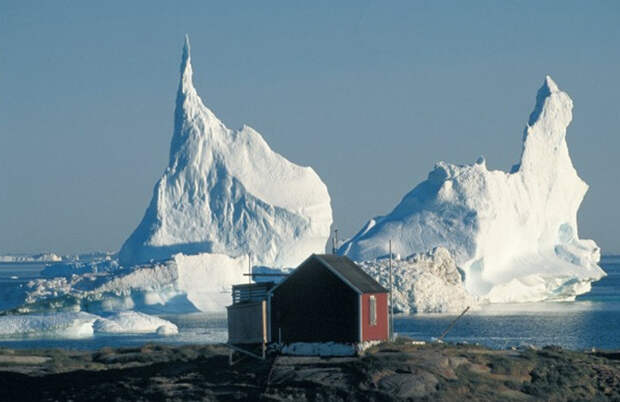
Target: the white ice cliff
(227, 192)
(513, 234)
(185, 283)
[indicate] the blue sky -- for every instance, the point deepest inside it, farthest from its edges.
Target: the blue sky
(370, 94)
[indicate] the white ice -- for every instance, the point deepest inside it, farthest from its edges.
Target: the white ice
(63, 325)
(201, 282)
(74, 325)
(132, 322)
(423, 283)
(514, 234)
(226, 192)
(18, 258)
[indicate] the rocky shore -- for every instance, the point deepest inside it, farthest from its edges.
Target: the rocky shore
(395, 371)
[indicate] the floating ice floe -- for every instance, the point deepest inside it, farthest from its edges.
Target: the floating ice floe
(182, 284)
(132, 322)
(74, 325)
(18, 258)
(63, 325)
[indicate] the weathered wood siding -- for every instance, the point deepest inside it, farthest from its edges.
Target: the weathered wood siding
(247, 323)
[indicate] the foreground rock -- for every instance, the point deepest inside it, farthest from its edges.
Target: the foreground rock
(389, 372)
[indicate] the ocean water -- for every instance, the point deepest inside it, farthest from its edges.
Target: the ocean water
(593, 320)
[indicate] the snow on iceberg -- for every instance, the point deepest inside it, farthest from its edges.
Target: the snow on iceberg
(423, 283)
(227, 192)
(513, 234)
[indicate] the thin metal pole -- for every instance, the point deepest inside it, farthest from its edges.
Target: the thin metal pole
(391, 298)
(249, 270)
(452, 324)
(335, 240)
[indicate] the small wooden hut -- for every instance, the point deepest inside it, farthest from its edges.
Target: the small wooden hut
(328, 298)
(248, 315)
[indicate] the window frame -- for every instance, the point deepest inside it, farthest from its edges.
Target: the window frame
(372, 310)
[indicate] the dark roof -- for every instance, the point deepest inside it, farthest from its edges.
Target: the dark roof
(349, 271)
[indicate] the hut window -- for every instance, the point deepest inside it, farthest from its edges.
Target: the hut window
(373, 310)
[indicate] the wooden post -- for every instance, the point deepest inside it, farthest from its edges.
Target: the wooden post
(264, 314)
(335, 241)
(249, 270)
(391, 297)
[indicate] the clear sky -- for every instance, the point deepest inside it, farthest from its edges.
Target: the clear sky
(370, 94)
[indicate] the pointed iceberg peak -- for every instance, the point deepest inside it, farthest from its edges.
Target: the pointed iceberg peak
(562, 104)
(186, 48)
(186, 68)
(550, 84)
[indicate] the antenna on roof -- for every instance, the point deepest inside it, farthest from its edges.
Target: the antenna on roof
(335, 241)
(249, 269)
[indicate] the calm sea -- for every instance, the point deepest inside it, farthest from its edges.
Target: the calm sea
(593, 320)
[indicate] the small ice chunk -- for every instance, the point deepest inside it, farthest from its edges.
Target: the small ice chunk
(165, 330)
(133, 322)
(64, 325)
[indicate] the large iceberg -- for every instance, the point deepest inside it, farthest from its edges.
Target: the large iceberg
(225, 203)
(513, 234)
(225, 191)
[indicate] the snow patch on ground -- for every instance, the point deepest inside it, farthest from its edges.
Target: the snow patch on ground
(319, 349)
